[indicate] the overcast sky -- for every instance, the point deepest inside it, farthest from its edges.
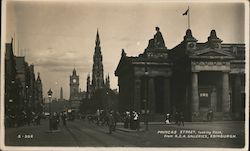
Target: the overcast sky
(59, 36)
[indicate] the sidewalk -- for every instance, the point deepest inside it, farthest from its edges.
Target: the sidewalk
(173, 123)
(187, 125)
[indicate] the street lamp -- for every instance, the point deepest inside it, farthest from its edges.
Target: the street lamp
(26, 98)
(50, 96)
(146, 96)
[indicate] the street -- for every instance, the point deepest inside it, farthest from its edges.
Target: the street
(80, 133)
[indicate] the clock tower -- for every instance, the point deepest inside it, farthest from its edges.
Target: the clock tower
(74, 86)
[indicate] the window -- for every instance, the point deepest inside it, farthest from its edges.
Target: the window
(203, 94)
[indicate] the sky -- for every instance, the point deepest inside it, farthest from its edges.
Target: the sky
(58, 36)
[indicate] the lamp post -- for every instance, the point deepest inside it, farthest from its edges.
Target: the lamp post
(26, 99)
(50, 96)
(146, 96)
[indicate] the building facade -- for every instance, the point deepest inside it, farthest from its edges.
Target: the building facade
(213, 78)
(193, 78)
(22, 93)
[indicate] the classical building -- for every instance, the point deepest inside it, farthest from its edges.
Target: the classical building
(144, 81)
(193, 78)
(209, 76)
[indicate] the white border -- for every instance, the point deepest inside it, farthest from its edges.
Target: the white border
(3, 34)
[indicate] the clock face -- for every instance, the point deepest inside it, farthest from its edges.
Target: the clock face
(74, 80)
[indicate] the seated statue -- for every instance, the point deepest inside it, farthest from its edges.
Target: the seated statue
(158, 39)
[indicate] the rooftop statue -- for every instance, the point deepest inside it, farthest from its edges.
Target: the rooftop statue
(157, 41)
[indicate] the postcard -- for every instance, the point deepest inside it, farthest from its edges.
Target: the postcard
(124, 75)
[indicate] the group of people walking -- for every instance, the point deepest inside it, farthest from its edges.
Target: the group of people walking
(55, 120)
(178, 118)
(131, 120)
(110, 118)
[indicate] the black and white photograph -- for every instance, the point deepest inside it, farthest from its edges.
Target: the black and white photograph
(130, 75)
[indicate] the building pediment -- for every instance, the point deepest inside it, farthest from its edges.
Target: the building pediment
(211, 53)
(123, 63)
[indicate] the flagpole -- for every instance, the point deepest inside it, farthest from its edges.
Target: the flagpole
(14, 41)
(188, 18)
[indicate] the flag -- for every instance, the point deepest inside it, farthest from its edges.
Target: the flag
(186, 12)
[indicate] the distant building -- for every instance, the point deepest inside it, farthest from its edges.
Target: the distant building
(61, 93)
(75, 96)
(57, 106)
(74, 86)
(39, 103)
(193, 78)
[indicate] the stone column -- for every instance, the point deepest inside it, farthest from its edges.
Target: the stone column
(151, 95)
(237, 93)
(225, 93)
(167, 104)
(137, 94)
(194, 93)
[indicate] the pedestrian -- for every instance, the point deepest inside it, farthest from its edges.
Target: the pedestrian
(55, 121)
(181, 119)
(126, 120)
(167, 119)
(38, 119)
(57, 118)
(116, 116)
(64, 118)
(110, 122)
(132, 123)
(210, 115)
(98, 116)
(177, 118)
(136, 120)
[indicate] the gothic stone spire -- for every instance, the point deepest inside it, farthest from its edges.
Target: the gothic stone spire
(97, 70)
(97, 41)
(38, 76)
(107, 82)
(74, 72)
